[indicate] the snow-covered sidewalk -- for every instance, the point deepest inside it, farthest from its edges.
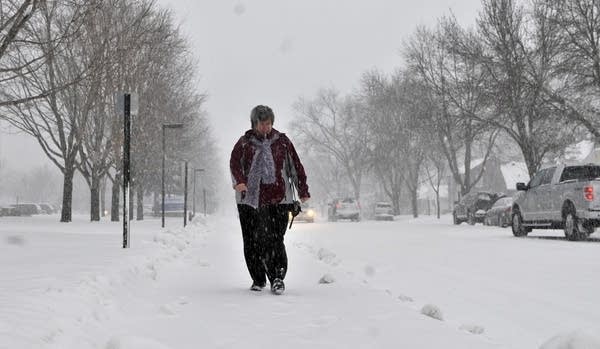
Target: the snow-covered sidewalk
(72, 286)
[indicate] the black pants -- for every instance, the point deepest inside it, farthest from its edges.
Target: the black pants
(263, 230)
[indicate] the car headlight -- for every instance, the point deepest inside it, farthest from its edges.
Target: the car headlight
(310, 213)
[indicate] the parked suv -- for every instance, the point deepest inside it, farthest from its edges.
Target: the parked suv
(473, 206)
(347, 208)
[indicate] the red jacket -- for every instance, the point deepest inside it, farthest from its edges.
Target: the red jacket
(287, 166)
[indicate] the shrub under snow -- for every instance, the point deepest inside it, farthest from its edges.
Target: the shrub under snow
(432, 311)
(131, 342)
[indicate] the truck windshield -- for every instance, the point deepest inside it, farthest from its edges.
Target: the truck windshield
(580, 173)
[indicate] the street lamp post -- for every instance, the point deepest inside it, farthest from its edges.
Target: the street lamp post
(164, 127)
(196, 170)
(185, 188)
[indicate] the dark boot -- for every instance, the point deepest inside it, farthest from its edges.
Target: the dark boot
(257, 287)
(277, 287)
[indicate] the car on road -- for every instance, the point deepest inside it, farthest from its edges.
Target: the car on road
(347, 208)
(501, 213)
(306, 215)
(384, 211)
(472, 207)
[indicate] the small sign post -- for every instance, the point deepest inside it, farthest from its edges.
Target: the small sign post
(126, 168)
(126, 106)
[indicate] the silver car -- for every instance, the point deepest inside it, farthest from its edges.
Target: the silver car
(347, 208)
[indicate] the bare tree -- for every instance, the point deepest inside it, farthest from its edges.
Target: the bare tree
(393, 149)
(23, 51)
(452, 84)
(333, 125)
(576, 88)
(14, 15)
(49, 118)
(519, 52)
(14, 18)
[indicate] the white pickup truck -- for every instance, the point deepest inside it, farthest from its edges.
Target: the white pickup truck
(560, 197)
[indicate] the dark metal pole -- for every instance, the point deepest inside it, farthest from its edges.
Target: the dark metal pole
(126, 173)
(194, 197)
(185, 187)
(163, 177)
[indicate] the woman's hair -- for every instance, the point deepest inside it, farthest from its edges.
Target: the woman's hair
(261, 113)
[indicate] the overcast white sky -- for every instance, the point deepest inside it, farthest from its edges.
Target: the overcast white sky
(273, 51)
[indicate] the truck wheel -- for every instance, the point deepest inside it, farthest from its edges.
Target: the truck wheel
(572, 228)
(470, 218)
(517, 225)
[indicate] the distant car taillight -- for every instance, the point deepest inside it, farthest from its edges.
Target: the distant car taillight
(338, 205)
(588, 193)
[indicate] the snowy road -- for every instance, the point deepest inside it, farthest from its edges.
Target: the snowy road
(72, 287)
(522, 291)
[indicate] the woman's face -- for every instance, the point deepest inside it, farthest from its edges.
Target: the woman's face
(264, 127)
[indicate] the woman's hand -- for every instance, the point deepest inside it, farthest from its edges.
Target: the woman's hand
(241, 187)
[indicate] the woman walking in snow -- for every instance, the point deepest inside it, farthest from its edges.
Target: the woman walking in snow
(265, 170)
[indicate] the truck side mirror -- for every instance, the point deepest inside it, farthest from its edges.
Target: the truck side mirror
(521, 187)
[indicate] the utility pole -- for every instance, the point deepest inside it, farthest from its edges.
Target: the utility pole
(127, 105)
(185, 189)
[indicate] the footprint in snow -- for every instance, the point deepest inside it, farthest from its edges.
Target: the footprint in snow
(405, 298)
(167, 309)
(474, 329)
(16, 240)
(369, 270)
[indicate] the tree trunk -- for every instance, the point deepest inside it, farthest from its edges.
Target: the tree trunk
(67, 194)
(437, 202)
(114, 205)
(95, 199)
(131, 197)
(103, 197)
(414, 202)
(140, 202)
(396, 202)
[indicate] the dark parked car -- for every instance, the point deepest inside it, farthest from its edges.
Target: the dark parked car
(384, 211)
(347, 208)
(9, 211)
(501, 212)
(27, 209)
(472, 207)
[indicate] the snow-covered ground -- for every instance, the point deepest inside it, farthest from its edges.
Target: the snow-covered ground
(349, 285)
